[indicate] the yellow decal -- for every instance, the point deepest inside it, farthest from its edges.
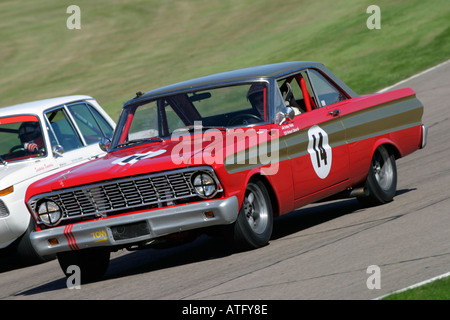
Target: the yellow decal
(100, 236)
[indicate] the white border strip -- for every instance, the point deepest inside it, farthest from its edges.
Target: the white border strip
(414, 76)
(445, 275)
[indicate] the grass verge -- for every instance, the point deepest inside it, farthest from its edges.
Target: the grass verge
(436, 290)
(138, 45)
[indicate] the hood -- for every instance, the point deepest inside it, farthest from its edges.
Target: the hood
(210, 148)
(14, 173)
(136, 160)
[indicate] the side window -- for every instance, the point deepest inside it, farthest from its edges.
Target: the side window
(327, 93)
(279, 105)
(90, 128)
(108, 131)
(145, 122)
(63, 130)
(297, 93)
(173, 120)
(51, 133)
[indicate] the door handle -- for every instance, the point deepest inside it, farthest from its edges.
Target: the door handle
(335, 113)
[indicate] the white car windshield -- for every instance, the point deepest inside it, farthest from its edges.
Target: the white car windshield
(20, 138)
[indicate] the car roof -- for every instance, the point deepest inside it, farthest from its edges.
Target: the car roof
(268, 71)
(37, 107)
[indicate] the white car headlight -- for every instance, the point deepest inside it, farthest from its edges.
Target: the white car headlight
(49, 212)
(204, 185)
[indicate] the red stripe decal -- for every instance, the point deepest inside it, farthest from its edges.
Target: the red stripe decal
(70, 237)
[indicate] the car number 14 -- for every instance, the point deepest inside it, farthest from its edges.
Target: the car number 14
(319, 151)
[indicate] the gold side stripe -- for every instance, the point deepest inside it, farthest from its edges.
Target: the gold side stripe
(383, 119)
(373, 121)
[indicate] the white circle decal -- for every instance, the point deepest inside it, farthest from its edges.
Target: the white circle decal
(320, 151)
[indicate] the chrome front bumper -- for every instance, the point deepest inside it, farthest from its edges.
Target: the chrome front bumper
(135, 228)
(424, 136)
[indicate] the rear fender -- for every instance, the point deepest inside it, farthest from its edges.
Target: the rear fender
(391, 146)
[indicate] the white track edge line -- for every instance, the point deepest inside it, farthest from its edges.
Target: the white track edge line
(445, 274)
(414, 76)
(442, 276)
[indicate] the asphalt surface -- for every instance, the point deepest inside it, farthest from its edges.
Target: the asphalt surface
(318, 252)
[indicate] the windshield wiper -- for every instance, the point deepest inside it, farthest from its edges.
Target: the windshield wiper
(154, 139)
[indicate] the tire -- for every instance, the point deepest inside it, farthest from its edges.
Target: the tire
(381, 181)
(25, 250)
(254, 224)
(92, 263)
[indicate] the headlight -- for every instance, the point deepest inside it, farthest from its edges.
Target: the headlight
(204, 185)
(49, 212)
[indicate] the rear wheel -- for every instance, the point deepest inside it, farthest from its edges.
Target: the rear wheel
(92, 263)
(253, 227)
(381, 181)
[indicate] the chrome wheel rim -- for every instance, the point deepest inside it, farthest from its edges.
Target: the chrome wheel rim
(255, 209)
(383, 169)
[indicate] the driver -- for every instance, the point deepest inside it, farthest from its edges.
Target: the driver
(256, 97)
(31, 137)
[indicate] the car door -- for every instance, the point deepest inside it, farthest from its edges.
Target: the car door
(315, 137)
(75, 131)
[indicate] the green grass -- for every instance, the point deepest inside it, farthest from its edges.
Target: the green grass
(129, 46)
(436, 290)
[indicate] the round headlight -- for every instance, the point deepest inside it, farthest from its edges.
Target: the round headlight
(49, 212)
(204, 185)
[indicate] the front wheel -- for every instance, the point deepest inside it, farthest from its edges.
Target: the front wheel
(382, 178)
(253, 227)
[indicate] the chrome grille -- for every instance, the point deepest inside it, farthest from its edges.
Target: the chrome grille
(106, 198)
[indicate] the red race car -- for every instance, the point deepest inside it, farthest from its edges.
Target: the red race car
(226, 152)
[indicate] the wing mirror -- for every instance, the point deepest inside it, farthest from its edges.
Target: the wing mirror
(286, 115)
(58, 150)
(104, 144)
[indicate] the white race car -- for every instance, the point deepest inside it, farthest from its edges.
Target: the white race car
(37, 139)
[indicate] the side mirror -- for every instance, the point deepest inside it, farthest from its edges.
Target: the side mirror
(58, 150)
(286, 115)
(104, 144)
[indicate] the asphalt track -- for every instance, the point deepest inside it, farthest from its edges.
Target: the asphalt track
(318, 252)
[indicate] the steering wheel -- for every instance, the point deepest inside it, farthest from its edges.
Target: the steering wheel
(16, 148)
(245, 118)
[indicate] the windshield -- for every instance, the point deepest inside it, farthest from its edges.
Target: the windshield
(231, 106)
(20, 138)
